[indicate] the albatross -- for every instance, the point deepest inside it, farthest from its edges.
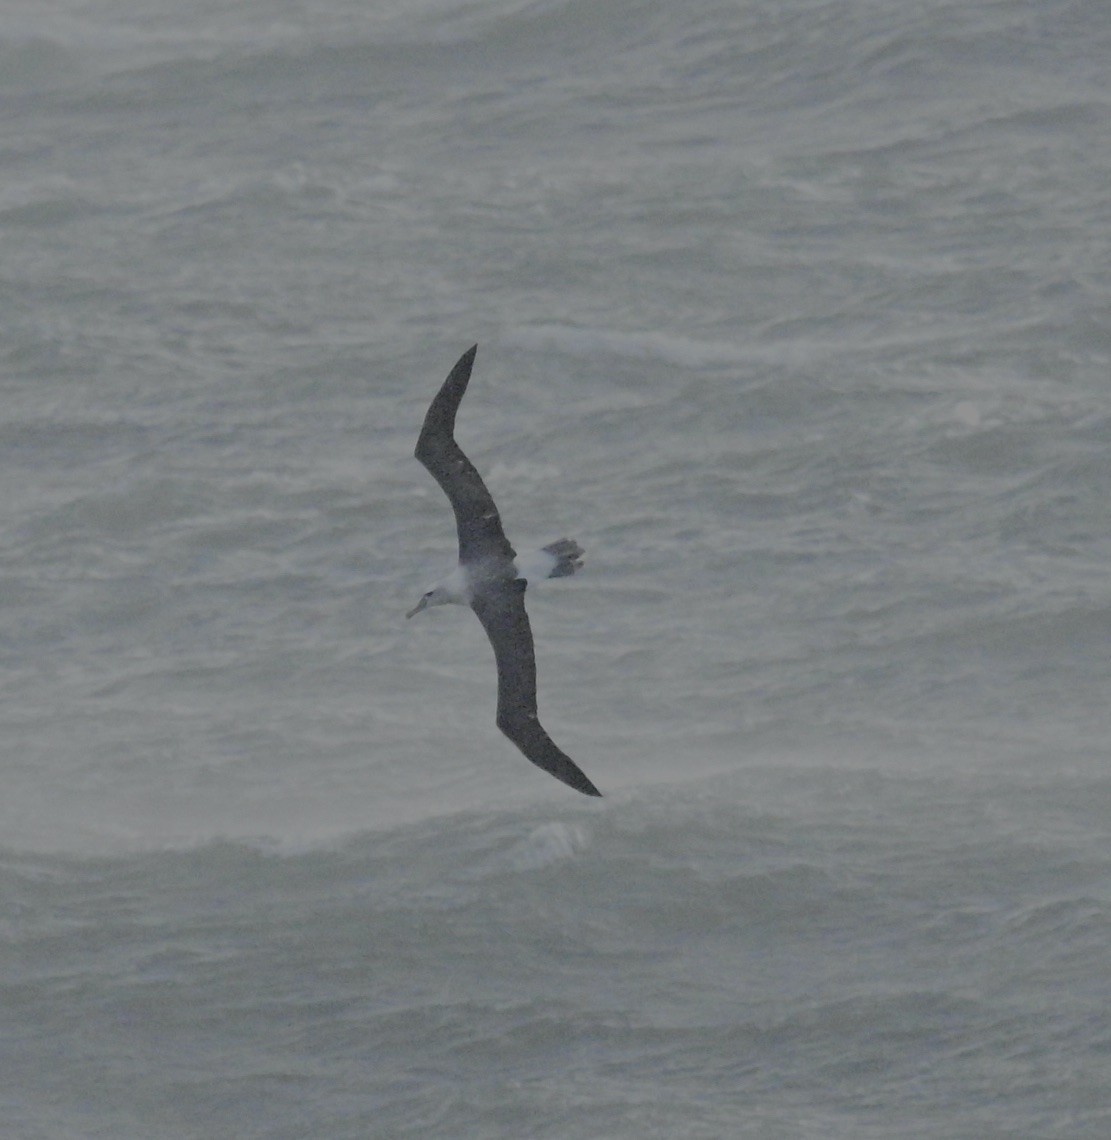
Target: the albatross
(491, 579)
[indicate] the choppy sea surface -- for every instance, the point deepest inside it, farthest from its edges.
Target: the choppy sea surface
(797, 315)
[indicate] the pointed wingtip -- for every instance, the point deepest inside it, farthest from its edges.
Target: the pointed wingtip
(439, 421)
(573, 776)
(537, 746)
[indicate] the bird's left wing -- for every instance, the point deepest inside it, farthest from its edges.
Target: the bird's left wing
(503, 616)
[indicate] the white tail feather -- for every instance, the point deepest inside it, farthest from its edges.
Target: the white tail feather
(556, 560)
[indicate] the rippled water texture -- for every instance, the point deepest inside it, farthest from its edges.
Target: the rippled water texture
(794, 315)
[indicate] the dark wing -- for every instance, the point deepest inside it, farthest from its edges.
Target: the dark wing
(476, 517)
(502, 613)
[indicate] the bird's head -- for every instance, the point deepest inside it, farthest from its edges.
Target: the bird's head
(454, 588)
(437, 596)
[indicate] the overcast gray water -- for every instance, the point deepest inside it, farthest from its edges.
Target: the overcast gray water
(794, 314)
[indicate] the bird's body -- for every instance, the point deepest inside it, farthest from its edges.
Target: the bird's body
(491, 579)
(459, 587)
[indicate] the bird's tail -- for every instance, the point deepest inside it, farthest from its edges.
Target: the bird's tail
(568, 555)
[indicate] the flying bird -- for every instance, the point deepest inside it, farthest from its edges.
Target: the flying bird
(491, 579)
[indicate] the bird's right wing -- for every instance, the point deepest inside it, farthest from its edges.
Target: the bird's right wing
(503, 616)
(476, 517)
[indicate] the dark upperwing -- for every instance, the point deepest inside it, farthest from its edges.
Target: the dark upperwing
(501, 610)
(476, 517)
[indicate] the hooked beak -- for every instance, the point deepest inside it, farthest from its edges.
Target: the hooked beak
(417, 608)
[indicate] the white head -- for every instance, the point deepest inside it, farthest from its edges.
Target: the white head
(437, 596)
(454, 588)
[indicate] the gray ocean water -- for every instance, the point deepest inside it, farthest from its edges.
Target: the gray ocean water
(797, 315)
